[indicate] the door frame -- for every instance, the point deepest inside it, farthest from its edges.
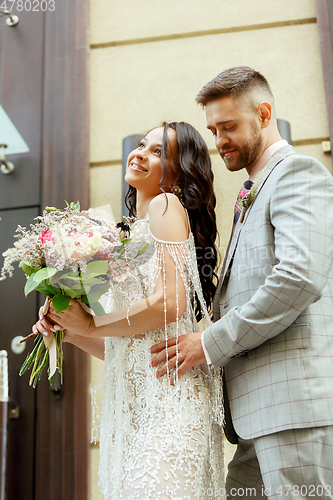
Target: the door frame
(44, 62)
(325, 30)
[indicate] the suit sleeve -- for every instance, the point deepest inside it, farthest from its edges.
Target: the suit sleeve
(301, 213)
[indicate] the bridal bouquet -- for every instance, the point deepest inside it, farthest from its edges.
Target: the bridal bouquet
(69, 254)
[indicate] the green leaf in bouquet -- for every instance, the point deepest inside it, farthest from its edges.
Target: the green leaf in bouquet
(94, 306)
(66, 274)
(80, 282)
(30, 285)
(75, 205)
(126, 241)
(96, 268)
(71, 280)
(97, 308)
(84, 300)
(94, 296)
(42, 289)
(73, 275)
(73, 294)
(76, 291)
(60, 302)
(28, 270)
(47, 289)
(43, 274)
(101, 288)
(93, 281)
(74, 286)
(86, 289)
(52, 289)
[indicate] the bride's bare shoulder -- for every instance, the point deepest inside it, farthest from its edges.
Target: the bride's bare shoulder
(167, 218)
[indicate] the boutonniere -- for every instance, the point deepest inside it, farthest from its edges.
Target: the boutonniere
(244, 200)
(247, 196)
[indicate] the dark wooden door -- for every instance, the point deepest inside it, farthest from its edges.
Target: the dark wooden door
(17, 315)
(21, 97)
(43, 89)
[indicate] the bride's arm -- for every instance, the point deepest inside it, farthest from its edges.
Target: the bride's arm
(93, 346)
(152, 312)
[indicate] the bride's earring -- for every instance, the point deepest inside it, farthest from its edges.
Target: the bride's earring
(177, 190)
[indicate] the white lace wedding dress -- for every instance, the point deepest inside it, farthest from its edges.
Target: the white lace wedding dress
(159, 441)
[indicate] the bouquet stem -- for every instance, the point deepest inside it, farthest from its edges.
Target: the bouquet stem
(37, 359)
(60, 353)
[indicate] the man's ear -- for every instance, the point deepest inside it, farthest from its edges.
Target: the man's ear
(265, 113)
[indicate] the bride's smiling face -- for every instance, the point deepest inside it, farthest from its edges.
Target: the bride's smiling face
(144, 168)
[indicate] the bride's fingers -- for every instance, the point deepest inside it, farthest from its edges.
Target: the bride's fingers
(39, 328)
(54, 316)
(52, 312)
(45, 323)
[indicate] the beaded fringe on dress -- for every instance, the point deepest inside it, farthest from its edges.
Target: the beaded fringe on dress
(159, 441)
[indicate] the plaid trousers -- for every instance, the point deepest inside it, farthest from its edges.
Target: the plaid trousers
(296, 463)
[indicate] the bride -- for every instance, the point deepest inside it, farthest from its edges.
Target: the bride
(160, 437)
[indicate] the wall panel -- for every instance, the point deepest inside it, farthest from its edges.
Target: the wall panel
(134, 88)
(116, 21)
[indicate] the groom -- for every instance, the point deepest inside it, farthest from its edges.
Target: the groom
(273, 310)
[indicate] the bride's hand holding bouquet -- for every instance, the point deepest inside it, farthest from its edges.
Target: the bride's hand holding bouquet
(74, 319)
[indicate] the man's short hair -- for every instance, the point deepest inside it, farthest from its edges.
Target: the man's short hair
(236, 82)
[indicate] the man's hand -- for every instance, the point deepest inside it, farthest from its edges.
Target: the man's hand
(187, 352)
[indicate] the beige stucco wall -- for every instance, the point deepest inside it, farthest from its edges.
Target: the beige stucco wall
(149, 59)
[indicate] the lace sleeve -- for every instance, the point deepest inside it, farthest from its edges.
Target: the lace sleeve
(183, 255)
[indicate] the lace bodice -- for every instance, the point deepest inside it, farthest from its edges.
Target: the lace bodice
(157, 438)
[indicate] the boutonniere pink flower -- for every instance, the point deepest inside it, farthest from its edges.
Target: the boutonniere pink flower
(245, 200)
(247, 196)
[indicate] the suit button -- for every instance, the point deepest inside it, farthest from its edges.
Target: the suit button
(225, 306)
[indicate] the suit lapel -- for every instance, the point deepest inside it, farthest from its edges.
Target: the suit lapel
(280, 155)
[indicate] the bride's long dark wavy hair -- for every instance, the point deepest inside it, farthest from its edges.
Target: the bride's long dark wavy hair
(195, 178)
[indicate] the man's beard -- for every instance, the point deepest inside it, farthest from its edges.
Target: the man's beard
(247, 154)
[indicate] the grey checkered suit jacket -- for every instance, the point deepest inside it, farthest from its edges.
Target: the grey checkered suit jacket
(273, 329)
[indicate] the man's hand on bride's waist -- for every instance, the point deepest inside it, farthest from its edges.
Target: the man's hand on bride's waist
(184, 354)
